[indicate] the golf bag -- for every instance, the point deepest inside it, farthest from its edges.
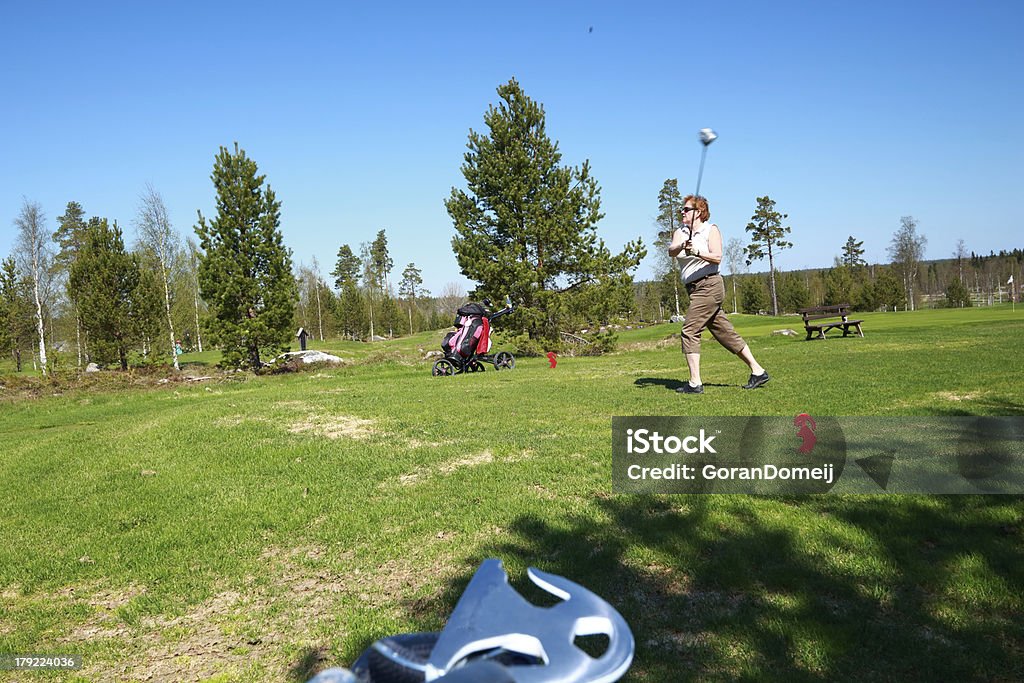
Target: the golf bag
(473, 335)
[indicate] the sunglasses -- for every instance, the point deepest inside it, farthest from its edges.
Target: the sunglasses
(689, 208)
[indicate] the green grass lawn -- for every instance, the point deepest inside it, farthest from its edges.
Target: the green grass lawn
(262, 528)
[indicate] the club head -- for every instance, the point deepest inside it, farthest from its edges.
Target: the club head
(491, 616)
(707, 136)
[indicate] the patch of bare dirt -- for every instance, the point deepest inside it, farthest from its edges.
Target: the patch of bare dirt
(318, 424)
(951, 396)
(334, 426)
(251, 631)
(236, 632)
(423, 473)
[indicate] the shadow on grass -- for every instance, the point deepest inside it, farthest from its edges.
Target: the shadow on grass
(983, 406)
(308, 665)
(672, 384)
(726, 587)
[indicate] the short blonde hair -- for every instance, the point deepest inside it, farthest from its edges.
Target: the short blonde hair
(701, 204)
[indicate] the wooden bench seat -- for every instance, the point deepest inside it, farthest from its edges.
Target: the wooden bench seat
(822, 319)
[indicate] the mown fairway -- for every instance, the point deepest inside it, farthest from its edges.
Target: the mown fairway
(262, 528)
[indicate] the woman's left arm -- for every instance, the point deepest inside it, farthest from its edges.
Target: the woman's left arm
(715, 246)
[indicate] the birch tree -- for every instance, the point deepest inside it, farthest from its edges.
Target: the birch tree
(319, 306)
(153, 227)
(906, 251)
(33, 248)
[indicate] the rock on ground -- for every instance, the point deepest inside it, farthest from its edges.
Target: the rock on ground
(311, 357)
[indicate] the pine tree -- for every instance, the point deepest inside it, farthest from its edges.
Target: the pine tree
(410, 287)
(347, 267)
(957, 295)
(381, 261)
(888, 291)
(766, 238)
(853, 253)
(106, 279)
(839, 286)
(245, 275)
(526, 228)
(351, 311)
(390, 316)
(70, 236)
(753, 297)
(16, 327)
(377, 264)
(670, 204)
(793, 293)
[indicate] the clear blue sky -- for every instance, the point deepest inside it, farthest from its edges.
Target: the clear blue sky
(848, 114)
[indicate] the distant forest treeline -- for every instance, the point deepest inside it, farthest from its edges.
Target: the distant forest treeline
(971, 280)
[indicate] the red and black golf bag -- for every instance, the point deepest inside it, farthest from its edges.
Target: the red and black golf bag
(473, 335)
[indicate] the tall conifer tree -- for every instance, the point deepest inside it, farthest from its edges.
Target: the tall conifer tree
(245, 275)
(853, 253)
(106, 279)
(347, 268)
(16, 328)
(526, 227)
(766, 239)
(70, 236)
(670, 204)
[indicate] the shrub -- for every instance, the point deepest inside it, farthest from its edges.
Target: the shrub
(600, 343)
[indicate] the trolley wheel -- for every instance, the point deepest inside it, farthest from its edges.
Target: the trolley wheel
(475, 366)
(504, 361)
(443, 368)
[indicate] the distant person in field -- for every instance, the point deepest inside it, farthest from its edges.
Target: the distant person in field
(698, 246)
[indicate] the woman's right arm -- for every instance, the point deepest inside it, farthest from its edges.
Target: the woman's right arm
(678, 242)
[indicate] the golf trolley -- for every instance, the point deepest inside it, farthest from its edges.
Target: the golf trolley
(466, 349)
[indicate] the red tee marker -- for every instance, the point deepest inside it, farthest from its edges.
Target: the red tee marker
(551, 358)
(805, 430)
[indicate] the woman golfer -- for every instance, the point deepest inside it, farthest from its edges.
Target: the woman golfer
(698, 246)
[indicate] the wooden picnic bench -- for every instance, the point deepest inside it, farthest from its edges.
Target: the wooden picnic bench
(826, 320)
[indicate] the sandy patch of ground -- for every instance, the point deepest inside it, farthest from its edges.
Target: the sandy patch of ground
(277, 625)
(239, 632)
(957, 397)
(317, 424)
(334, 426)
(444, 468)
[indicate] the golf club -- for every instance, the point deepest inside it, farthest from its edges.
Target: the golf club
(707, 136)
